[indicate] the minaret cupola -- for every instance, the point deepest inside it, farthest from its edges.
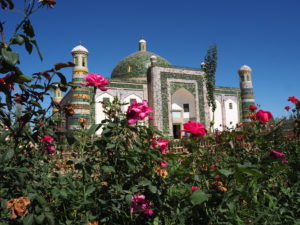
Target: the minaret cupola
(142, 45)
(80, 54)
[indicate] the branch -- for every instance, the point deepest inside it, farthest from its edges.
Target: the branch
(2, 34)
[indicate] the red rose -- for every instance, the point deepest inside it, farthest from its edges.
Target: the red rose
(252, 107)
(293, 99)
(287, 108)
(195, 128)
(194, 188)
(264, 116)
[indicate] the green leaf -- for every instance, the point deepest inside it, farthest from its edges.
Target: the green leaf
(17, 39)
(93, 129)
(226, 173)
(89, 190)
(128, 199)
(108, 169)
(41, 200)
(8, 154)
(153, 189)
(249, 171)
(28, 220)
(63, 193)
(40, 219)
(145, 182)
(28, 46)
(22, 79)
(198, 197)
(50, 218)
(12, 58)
(110, 146)
(156, 221)
(28, 29)
(4, 135)
(37, 49)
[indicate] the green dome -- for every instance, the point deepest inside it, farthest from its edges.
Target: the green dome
(136, 65)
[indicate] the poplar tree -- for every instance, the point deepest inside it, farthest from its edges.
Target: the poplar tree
(209, 66)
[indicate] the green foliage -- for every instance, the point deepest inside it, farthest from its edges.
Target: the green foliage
(210, 67)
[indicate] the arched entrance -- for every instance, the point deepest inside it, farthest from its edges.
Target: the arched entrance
(183, 110)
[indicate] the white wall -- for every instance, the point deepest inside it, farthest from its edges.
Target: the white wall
(231, 115)
(217, 116)
(224, 116)
(99, 114)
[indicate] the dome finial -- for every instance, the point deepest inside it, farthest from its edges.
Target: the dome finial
(142, 44)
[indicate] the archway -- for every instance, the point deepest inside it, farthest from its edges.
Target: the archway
(183, 109)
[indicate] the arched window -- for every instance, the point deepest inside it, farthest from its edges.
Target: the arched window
(129, 69)
(76, 61)
(230, 105)
(105, 100)
(83, 61)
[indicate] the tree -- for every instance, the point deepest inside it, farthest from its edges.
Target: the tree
(209, 66)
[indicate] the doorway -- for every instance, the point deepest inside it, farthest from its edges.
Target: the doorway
(176, 131)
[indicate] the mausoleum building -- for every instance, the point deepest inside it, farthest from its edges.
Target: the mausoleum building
(176, 94)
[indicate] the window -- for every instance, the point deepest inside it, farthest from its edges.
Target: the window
(230, 105)
(129, 69)
(186, 108)
(76, 61)
(105, 100)
(83, 61)
(131, 100)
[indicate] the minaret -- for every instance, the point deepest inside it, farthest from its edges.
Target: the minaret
(142, 45)
(57, 94)
(247, 94)
(57, 97)
(81, 95)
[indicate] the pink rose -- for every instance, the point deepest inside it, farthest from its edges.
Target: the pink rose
(138, 111)
(277, 155)
(264, 116)
(139, 204)
(163, 163)
(195, 128)
(96, 80)
(48, 139)
(194, 188)
(148, 211)
(51, 149)
(162, 144)
(213, 167)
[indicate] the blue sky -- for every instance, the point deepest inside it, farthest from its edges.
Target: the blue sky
(262, 34)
